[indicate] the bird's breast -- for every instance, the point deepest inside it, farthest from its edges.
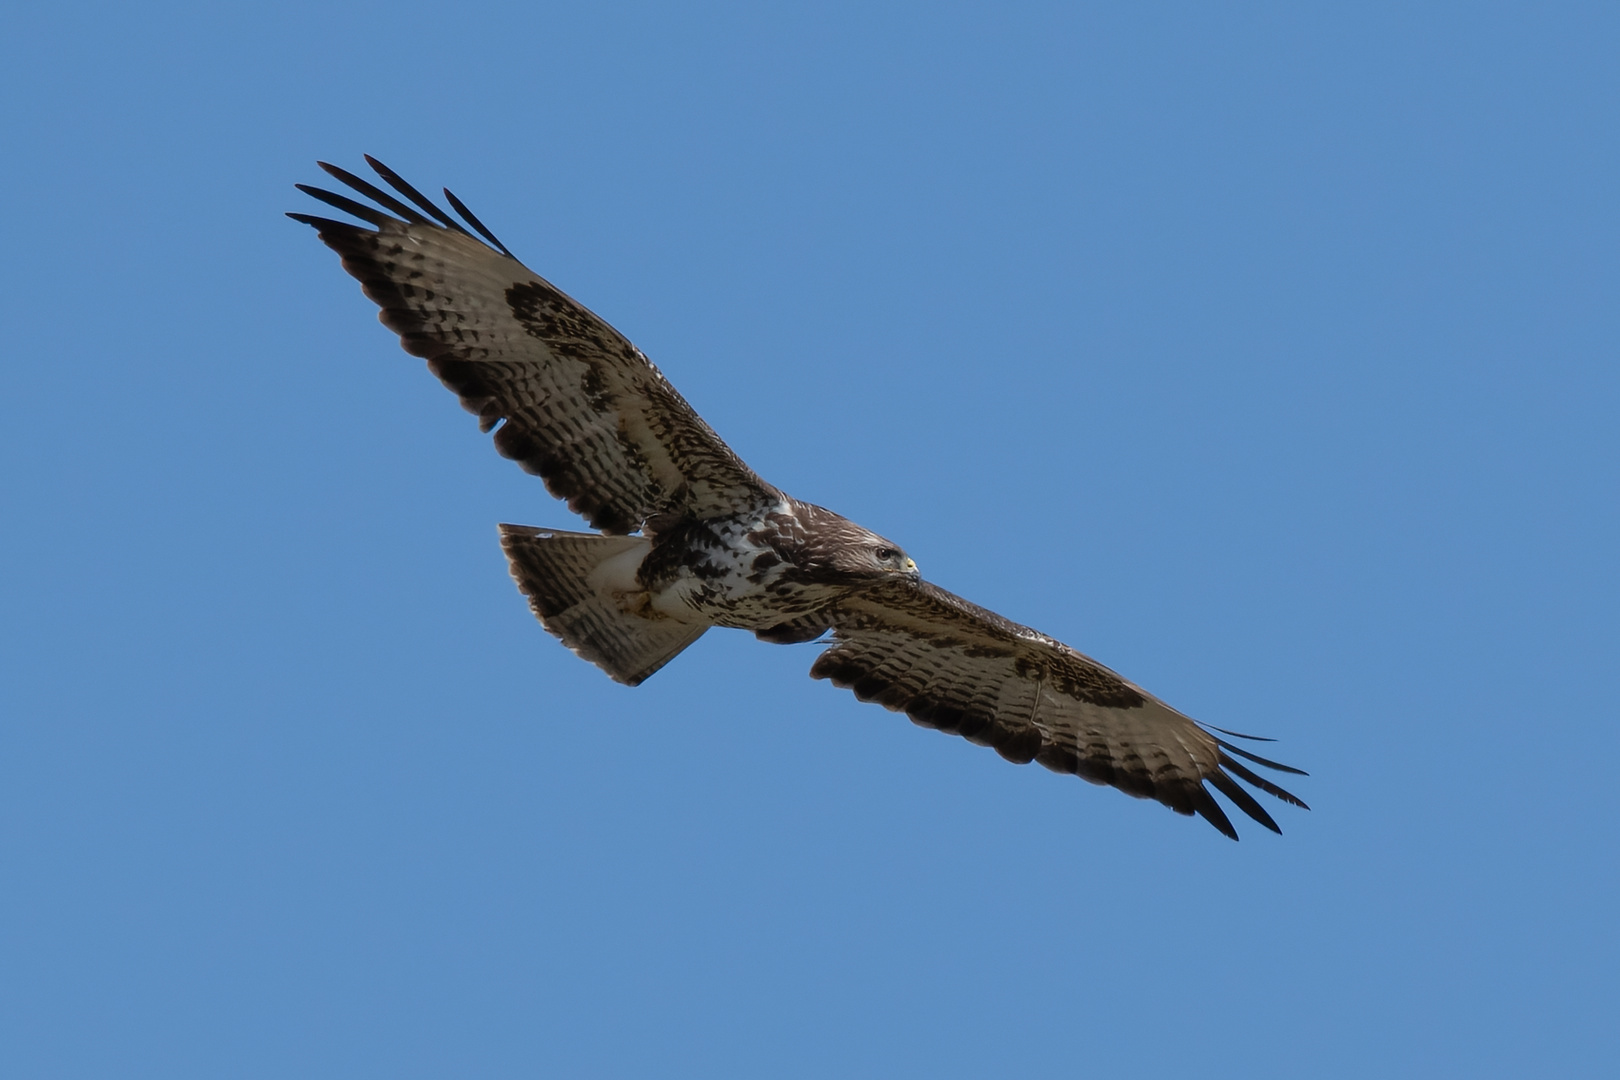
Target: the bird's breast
(738, 571)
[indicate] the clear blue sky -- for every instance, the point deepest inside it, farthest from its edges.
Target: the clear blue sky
(1267, 354)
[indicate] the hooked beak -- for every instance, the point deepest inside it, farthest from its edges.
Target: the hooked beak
(912, 572)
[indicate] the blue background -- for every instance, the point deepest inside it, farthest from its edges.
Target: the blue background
(1267, 354)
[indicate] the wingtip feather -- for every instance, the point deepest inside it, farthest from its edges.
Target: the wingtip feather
(1240, 735)
(324, 225)
(370, 215)
(374, 193)
(1211, 811)
(1243, 800)
(472, 219)
(397, 182)
(1249, 776)
(1258, 760)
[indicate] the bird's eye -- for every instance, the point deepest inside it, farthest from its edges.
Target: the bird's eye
(886, 553)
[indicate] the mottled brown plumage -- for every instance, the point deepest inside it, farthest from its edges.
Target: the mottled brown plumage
(690, 537)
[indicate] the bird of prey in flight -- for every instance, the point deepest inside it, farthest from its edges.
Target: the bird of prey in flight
(689, 537)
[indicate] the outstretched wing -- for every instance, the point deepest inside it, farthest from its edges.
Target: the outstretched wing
(575, 402)
(952, 665)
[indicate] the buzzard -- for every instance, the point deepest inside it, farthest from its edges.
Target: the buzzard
(689, 537)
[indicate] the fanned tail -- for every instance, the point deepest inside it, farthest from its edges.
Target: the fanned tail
(581, 587)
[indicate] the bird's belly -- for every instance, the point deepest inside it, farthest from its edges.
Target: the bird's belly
(729, 575)
(736, 600)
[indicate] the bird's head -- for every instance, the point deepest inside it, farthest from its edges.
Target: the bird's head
(867, 558)
(838, 550)
(890, 561)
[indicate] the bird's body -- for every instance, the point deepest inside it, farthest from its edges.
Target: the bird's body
(749, 570)
(690, 538)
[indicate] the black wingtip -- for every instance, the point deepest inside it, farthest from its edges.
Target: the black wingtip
(1258, 760)
(397, 182)
(1239, 734)
(1243, 800)
(404, 211)
(374, 217)
(374, 193)
(472, 219)
(1254, 779)
(1210, 810)
(322, 224)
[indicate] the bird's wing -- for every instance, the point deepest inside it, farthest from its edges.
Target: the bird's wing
(575, 402)
(952, 665)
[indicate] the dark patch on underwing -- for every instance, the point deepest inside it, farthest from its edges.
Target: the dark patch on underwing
(795, 631)
(564, 326)
(594, 385)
